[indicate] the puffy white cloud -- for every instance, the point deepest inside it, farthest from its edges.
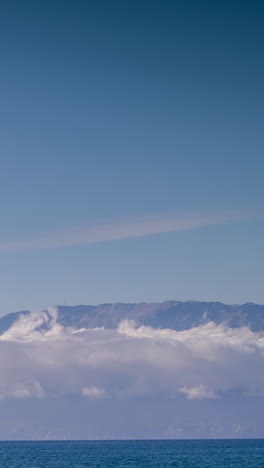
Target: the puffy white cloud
(94, 392)
(21, 390)
(198, 393)
(39, 357)
(30, 327)
(200, 338)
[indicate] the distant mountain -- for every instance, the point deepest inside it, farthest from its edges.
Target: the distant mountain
(137, 389)
(170, 314)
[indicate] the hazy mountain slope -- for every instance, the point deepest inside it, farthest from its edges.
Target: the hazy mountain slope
(170, 314)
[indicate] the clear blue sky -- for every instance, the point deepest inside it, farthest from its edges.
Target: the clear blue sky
(116, 111)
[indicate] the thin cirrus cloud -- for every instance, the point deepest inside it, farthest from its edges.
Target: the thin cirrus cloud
(129, 228)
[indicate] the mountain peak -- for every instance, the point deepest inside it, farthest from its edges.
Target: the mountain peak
(176, 315)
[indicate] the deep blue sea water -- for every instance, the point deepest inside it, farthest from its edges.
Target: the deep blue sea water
(133, 454)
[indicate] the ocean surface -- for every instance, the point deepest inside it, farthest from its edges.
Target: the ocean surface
(133, 454)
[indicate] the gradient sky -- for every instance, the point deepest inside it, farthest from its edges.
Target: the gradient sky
(115, 114)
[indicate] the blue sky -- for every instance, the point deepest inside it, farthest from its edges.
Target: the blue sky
(121, 113)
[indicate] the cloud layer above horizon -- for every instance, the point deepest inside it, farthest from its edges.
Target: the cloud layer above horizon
(41, 358)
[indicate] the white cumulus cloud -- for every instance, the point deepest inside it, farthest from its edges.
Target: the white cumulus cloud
(41, 358)
(199, 392)
(94, 392)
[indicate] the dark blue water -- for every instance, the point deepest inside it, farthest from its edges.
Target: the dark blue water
(133, 454)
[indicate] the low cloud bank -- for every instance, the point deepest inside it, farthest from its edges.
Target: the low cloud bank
(40, 358)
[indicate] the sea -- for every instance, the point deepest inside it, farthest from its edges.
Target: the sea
(133, 454)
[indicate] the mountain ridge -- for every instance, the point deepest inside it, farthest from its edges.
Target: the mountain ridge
(177, 315)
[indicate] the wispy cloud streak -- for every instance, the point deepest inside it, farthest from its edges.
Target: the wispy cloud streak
(128, 228)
